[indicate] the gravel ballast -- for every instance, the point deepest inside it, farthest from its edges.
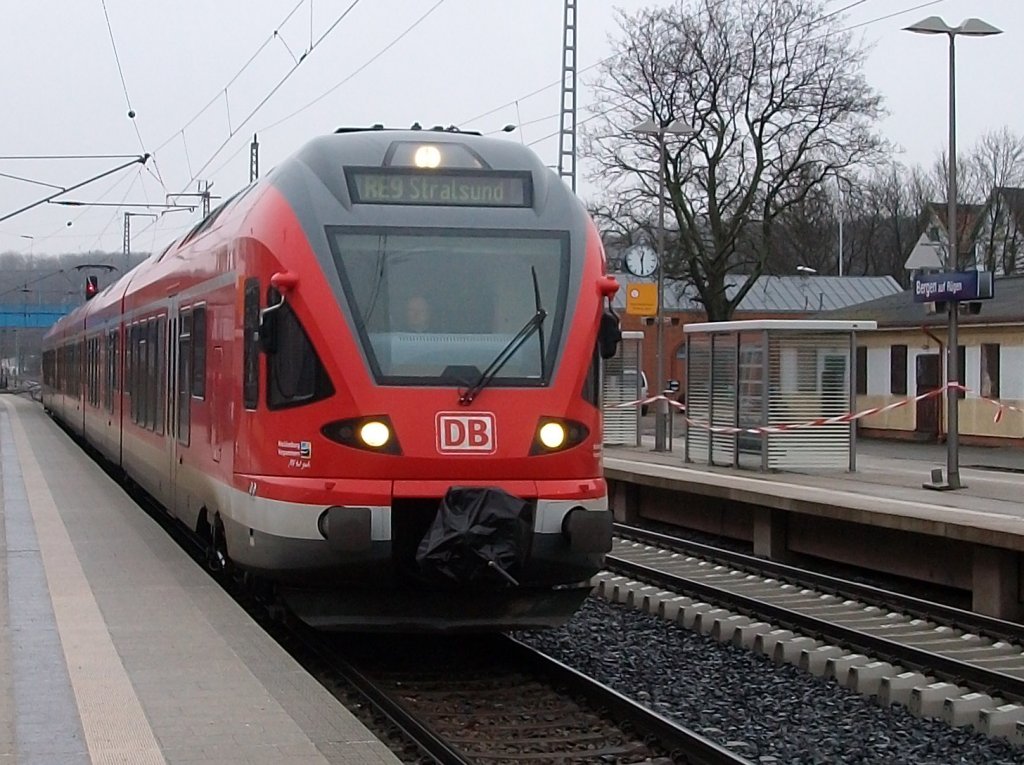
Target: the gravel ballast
(740, 699)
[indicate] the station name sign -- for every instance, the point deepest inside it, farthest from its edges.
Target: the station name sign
(403, 186)
(953, 287)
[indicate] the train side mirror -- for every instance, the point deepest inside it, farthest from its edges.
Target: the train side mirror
(608, 335)
(268, 327)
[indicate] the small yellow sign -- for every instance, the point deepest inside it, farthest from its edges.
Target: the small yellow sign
(642, 299)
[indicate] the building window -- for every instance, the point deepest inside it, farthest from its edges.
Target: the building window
(898, 370)
(990, 370)
(862, 370)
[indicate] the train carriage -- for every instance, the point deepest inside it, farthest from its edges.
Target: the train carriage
(372, 377)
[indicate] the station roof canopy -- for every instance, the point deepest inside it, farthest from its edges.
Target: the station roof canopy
(775, 325)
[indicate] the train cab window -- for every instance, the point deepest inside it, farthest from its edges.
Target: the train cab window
(438, 306)
(251, 350)
(295, 374)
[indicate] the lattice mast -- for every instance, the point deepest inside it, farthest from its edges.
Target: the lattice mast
(567, 122)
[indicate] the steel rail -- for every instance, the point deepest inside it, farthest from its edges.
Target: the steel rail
(681, 741)
(997, 629)
(966, 673)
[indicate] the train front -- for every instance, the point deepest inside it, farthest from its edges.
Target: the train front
(441, 303)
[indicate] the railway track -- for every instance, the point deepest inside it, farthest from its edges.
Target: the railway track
(460, 700)
(492, 699)
(875, 641)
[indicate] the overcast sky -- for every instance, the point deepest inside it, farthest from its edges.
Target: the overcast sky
(62, 92)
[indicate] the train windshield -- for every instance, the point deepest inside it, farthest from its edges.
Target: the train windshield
(435, 307)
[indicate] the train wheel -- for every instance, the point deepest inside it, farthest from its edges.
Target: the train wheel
(217, 549)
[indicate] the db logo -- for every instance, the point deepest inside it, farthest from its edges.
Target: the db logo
(465, 433)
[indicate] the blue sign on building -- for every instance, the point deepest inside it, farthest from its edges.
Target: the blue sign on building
(953, 287)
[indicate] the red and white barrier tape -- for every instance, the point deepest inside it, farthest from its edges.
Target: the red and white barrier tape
(651, 400)
(841, 419)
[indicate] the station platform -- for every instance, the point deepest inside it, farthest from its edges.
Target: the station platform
(879, 517)
(115, 647)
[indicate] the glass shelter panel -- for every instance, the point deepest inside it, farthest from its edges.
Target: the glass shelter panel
(698, 396)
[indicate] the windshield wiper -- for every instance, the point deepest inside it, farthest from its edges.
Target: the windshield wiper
(533, 325)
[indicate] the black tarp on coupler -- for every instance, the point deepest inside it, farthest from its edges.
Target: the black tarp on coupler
(480, 536)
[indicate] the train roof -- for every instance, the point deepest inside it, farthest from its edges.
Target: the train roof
(376, 148)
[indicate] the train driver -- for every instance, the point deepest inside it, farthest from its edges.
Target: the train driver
(417, 314)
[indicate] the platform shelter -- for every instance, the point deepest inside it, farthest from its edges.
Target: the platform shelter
(754, 387)
(622, 384)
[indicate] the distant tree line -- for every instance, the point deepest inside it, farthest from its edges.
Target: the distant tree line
(32, 282)
(56, 280)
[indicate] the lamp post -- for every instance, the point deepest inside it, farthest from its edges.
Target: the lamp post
(934, 25)
(654, 127)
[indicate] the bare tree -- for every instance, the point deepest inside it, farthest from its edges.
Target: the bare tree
(996, 167)
(774, 92)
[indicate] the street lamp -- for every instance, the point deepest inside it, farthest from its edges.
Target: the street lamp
(654, 127)
(933, 25)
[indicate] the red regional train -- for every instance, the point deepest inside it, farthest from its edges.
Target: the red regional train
(371, 378)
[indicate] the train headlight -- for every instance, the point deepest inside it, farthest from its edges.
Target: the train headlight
(374, 434)
(552, 434)
(427, 156)
(371, 433)
(555, 435)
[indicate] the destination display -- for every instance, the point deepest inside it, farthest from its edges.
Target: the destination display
(401, 186)
(951, 287)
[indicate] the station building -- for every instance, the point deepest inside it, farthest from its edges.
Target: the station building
(771, 297)
(905, 357)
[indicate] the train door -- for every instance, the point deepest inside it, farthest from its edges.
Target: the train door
(216, 391)
(175, 329)
(928, 379)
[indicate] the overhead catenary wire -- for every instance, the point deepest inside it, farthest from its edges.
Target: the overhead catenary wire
(15, 157)
(231, 82)
(359, 69)
(804, 27)
(337, 85)
(137, 160)
(124, 88)
(29, 180)
(274, 89)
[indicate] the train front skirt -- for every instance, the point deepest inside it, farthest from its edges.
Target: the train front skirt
(466, 576)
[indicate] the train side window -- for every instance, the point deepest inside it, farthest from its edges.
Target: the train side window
(159, 381)
(199, 352)
(295, 374)
(251, 359)
(139, 407)
(108, 372)
(151, 373)
(97, 383)
(129, 371)
(184, 377)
